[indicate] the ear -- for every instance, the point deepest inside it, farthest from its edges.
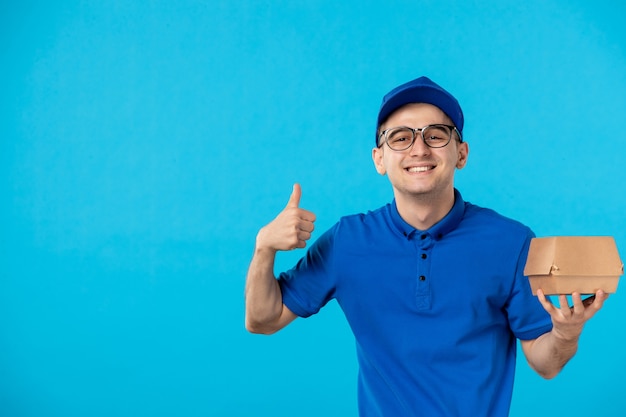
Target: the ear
(377, 157)
(462, 154)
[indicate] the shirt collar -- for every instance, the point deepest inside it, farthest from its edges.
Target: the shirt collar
(439, 229)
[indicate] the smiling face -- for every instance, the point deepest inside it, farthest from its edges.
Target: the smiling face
(420, 171)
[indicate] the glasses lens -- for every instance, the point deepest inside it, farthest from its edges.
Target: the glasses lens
(437, 136)
(400, 138)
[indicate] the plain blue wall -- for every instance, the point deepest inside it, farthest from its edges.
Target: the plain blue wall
(144, 143)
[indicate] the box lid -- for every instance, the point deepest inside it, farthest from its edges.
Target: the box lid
(574, 255)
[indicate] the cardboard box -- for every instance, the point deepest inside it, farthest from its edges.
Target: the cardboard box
(567, 264)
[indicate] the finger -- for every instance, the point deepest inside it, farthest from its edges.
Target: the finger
(578, 307)
(598, 300)
(564, 304)
(589, 301)
(306, 225)
(302, 241)
(307, 216)
(547, 305)
(304, 236)
(294, 199)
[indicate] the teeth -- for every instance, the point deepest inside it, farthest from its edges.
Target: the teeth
(418, 169)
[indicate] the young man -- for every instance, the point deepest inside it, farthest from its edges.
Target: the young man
(432, 286)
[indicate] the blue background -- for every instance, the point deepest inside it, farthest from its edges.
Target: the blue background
(143, 144)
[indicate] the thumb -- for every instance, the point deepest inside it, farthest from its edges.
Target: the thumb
(294, 199)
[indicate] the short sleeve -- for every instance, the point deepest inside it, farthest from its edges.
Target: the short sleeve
(308, 286)
(527, 317)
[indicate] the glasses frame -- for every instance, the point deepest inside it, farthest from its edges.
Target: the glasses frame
(421, 130)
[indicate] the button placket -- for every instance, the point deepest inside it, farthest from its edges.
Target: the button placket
(423, 246)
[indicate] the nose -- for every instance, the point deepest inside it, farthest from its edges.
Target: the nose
(419, 147)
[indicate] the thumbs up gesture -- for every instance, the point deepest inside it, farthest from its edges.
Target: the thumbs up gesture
(290, 229)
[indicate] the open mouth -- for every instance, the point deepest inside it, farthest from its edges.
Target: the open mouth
(420, 169)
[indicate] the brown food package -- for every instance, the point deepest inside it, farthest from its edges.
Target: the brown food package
(567, 264)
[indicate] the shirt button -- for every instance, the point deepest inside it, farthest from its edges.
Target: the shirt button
(422, 278)
(424, 256)
(424, 237)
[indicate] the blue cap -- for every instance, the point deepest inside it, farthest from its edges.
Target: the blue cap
(421, 90)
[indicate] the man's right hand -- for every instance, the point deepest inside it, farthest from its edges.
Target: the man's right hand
(290, 229)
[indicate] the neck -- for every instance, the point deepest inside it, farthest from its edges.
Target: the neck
(422, 211)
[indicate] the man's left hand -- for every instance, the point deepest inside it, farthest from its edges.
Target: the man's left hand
(568, 321)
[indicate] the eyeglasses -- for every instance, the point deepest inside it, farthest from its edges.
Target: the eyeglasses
(402, 138)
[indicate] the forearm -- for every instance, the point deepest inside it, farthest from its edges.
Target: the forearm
(549, 353)
(265, 311)
(263, 296)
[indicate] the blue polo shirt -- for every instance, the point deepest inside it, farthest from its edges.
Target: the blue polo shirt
(435, 313)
